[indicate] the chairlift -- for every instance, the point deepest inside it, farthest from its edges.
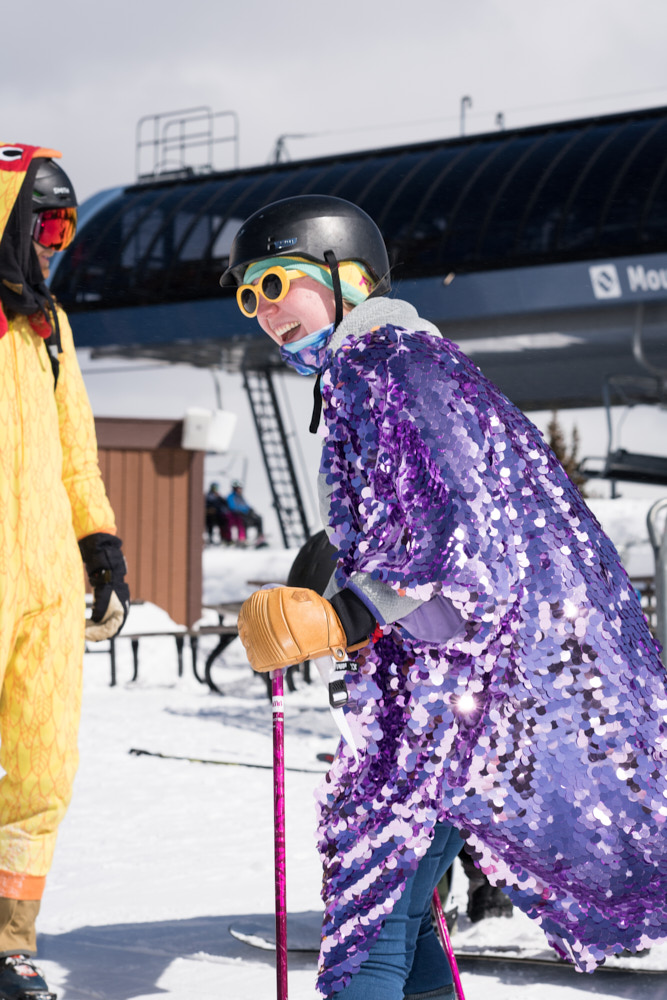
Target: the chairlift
(621, 465)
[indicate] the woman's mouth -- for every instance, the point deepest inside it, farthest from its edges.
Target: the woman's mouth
(285, 329)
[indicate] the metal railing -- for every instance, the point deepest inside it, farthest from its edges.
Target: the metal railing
(174, 134)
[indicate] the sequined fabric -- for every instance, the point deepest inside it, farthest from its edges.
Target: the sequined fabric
(541, 732)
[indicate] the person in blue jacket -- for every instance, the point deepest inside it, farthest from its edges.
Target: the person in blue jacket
(249, 517)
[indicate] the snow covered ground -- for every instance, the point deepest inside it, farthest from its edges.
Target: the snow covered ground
(157, 858)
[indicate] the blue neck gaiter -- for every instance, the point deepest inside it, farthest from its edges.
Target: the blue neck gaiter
(308, 355)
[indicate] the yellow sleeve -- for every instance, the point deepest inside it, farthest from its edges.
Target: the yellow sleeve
(91, 510)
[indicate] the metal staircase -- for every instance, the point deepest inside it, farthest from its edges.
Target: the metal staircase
(287, 499)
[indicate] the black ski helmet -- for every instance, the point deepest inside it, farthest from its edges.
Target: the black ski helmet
(52, 188)
(313, 226)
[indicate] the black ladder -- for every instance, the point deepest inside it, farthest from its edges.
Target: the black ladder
(273, 441)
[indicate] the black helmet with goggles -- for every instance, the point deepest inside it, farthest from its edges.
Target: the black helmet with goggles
(316, 227)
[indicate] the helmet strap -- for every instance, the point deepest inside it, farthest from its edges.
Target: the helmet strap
(332, 264)
(317, 406)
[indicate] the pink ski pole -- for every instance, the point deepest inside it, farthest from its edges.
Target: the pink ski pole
(447, 944)
(279, 830)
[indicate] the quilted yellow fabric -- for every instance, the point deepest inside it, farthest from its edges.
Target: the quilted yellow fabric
(51, 494)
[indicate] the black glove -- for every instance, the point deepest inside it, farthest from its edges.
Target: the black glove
(357, 621)
(106, 566)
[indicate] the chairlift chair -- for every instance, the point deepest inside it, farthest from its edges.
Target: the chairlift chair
(632, 390)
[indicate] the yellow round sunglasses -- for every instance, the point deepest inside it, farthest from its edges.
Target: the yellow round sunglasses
(273, 286)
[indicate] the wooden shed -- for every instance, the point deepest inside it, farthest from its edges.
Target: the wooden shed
(156, 489)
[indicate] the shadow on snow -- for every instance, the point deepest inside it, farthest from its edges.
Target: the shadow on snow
(128, 960)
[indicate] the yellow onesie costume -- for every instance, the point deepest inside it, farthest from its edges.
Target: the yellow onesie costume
(51, 495)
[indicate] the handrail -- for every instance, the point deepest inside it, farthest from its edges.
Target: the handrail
(164, 142)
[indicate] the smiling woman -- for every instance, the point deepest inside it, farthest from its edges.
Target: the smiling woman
(489, 627)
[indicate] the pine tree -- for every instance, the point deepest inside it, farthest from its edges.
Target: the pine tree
(568, 457)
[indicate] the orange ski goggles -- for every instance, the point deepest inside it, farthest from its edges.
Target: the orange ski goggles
(54, 228)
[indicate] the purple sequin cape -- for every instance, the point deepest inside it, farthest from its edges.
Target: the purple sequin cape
(541, 733)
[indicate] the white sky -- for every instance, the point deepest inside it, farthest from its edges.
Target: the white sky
(78, 75)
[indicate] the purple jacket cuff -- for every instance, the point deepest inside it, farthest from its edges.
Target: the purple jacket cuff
(435, 621)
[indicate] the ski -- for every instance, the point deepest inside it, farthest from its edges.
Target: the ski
(136, 752)
(34, 995)
(303, 935)
(515, 957)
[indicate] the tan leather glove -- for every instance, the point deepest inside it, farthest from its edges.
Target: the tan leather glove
(287, 625)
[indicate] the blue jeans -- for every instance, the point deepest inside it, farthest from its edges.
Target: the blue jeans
(407, 957)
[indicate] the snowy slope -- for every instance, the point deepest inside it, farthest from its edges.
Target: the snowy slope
(158, 857)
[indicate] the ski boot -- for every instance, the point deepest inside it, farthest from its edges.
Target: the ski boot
(488, 901)
(20, 979)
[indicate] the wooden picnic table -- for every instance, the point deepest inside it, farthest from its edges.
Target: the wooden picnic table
(226, 630)
(224, 611)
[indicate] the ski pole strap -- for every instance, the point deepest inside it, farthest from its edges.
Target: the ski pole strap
(333, 673)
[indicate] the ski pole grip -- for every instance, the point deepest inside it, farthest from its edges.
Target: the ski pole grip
(288, 625)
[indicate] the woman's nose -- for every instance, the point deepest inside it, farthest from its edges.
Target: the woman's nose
(265, 311)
